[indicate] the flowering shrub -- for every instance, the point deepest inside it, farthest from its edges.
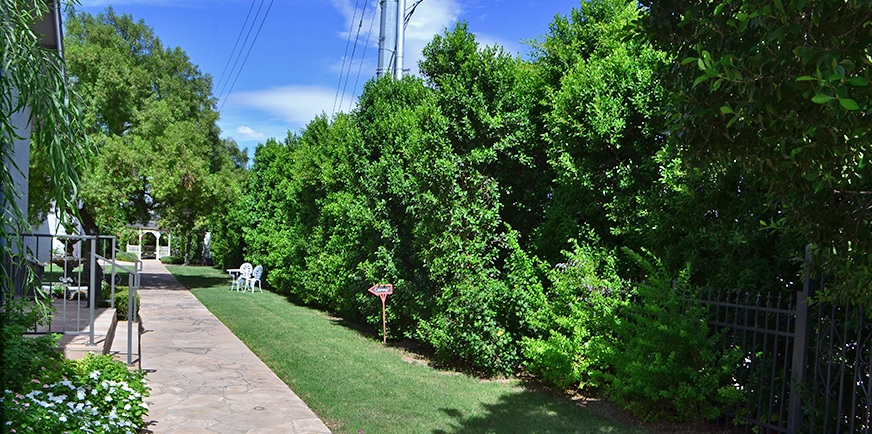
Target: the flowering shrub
(96, 395)
(582, 308)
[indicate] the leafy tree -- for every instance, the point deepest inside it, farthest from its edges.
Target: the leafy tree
(603, 126)
(782, 90)
(151, 113)
(492, 102)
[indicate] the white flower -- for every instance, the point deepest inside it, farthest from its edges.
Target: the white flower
(80, 394)
(108, 398)
(63, 418)
(94, 375)
(126, 407)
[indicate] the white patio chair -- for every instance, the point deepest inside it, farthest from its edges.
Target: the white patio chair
(242, 278)
(254, 278)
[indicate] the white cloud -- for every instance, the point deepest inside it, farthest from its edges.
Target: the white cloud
(247, 133)
(511, 47)
(296, 105)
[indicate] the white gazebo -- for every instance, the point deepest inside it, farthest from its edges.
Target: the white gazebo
(151, 228)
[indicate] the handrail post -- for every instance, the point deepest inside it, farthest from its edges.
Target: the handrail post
(131, 279)
(93, 295)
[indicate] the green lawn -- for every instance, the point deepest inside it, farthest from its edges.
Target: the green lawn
(354, 382)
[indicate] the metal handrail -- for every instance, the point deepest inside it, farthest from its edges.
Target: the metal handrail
(43, 250)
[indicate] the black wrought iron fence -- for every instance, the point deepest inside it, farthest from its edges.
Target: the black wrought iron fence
(839, 387)
(764, 330)
(803, 369)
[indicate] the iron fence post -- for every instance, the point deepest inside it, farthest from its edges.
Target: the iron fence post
(800, 350)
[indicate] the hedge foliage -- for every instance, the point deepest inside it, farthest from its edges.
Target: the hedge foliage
(503, 198)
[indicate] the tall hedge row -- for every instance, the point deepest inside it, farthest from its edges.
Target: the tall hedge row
(509, 202)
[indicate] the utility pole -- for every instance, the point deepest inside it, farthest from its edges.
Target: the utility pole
(401, 35)
(391, 37)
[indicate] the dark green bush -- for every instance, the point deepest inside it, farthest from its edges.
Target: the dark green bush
(175, 260)
(121, 303)
(25, 358)
(665, 365)
(125, 256)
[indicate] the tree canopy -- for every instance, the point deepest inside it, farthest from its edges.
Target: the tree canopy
(151, 114)
(782, 91)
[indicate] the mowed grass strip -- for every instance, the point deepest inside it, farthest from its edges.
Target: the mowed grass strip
(354, 382)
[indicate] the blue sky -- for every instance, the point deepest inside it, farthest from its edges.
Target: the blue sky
(295, 67)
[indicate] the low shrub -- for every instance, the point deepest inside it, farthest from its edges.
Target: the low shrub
(126, 257)
(95, 395)
(26, 358)
(666, 366)
(173, 260)
(121, 303)
(582, 308)
(43, 393)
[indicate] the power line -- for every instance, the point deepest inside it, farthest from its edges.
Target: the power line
(363, 57)
(353, 50)
(248, 52)
(411, 10)
(238, 37)
(217, 26)
(345, 56)
(244, 42)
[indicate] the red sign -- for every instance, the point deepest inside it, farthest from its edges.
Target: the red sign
(386, 289)
(383, 291)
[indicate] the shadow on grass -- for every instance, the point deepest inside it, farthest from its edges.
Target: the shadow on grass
(532, 411)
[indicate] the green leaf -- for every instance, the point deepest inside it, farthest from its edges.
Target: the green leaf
(780, 7)
(726, 109)
(806, 78)
(821, 99)
(699, 80)
(849, 104)
(688, 60)
(858, 81)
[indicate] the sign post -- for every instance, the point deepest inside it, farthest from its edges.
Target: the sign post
(383, 291)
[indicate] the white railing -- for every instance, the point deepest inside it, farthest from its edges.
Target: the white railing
(134, 249)
(66, 267)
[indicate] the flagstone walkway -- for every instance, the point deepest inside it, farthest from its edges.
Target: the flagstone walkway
(204, 379)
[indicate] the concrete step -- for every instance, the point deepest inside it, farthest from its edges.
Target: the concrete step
(75, 342)
(119, 348)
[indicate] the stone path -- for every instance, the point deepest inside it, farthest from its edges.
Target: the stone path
(204, 379)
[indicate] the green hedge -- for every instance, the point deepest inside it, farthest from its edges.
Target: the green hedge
(175, 260)
(121, 303)
(126, 257)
